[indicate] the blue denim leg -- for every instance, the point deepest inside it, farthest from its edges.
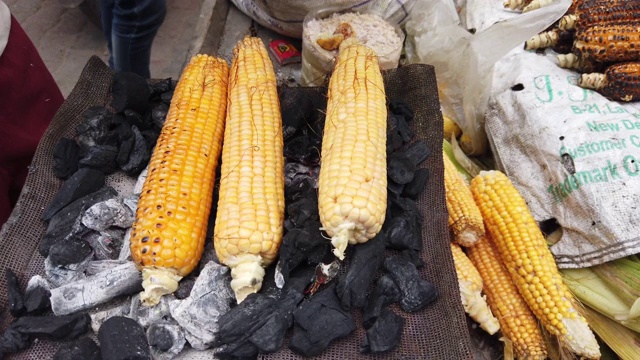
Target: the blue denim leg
(134, 24)
(106, 15)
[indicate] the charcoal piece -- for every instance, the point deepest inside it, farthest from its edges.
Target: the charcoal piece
(208, 254)
(101, 157)
(394, 141)
(293, 172)
(120, 127)
(400, 107)
(166, 97)
(57, 328)
(418, 152)
(15, 297)
(416, 292)
(353, 285)
(394, 189)
(184, 288)
(413, 256)
(36, 300)
(98, 317)
(122, 338)
(302, 149)
(65, 158)
(166, 339)
(158, 114)
(413, 189)
(151, 137)
(105, 214)
(125, 249)
(303, 210)
(400, 126)
(129, 91)
(62, 224)
(400, 169)
(403, 232)
(385, 293)
(83, 348)
(237, 351)
(147, 315)
(61, 275)
(106, 244)
(300, 278)
(98, 266)
(159, 87)
(296, 108)
(125, 150)
(84, 294)
(13, 341)
(319, 321)
(210, 298)
(69, 252)
(83, 182)
(94, 130)
(37, 281)
(96, 116)
(384, 334)
(133, 118)
(140, 154)
(301, 246)
(300, 181)
(404, 206)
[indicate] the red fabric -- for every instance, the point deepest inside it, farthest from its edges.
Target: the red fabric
(29, 98)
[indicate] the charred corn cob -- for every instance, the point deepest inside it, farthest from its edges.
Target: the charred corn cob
(580, 64)
(470, 284)
(604, 12)
(560, 41)
(517, 322)
(608, 43)
(352, 187)
(250, 214)
(620, 82)
(465, 219)
(168, 234)
(526, 256)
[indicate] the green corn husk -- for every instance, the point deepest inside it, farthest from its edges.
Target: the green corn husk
(623, 277)
(623, 341)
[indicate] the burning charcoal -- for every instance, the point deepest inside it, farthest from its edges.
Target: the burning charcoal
(166, 97)
(94, 130)
(121, 308)
(101, 157)
(353, 285)
(37, 300)
(83, 182)
(302, 149)
(124, 151)
(62, 224)
(98, 266)
(112, 212)
(125, 249)
(394, 141)
(69, 252)
(37, 281)
(15, 298)
(147, 315)
(106, 244)
(65, 158)
(13, 341)
(58, 328)
(385, 293)
(413, 189)
(416, 292)
(413, 256)
(62, 275)
(159, 113)
(293, 172)
(135, 119)
(296, 108)
(403, 232)
(418, 152)
(140, 154)
(122, 338)
(399, 107)
(319, 321)
(166, 339)
(400, 169)
(303, 210)
(299, 246)
(384, 334)
(137, 189)
(184, 287)
(400, 126)
(97, 289)
(198, 314)
(130, 91)
(83, 348)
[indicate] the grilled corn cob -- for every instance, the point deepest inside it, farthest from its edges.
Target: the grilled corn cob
(250, 214)
(470, 284)
(560, 41)
(620, 82)
(515, 4)
(526, 256)
(168, 234)
(517, 322)
(352, 187)
(465, 219)
(580, 64)
(536, 4)
(615, 43)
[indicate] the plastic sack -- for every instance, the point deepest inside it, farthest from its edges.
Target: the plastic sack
(463, 61)
(286, 16)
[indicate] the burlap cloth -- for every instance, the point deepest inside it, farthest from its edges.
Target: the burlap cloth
(438, 332)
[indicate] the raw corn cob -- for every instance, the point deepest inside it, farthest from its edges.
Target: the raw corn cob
(352, 186)
(470, 284)
(608, 43)
(465, 219)
(167, 237)
(525, 254)
(250, 214)
(517, 322)
(620, 82)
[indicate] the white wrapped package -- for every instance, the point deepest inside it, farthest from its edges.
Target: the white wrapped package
(573, 155)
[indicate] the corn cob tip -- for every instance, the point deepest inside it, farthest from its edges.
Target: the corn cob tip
(341, 239)
(157, 282)
(476, 306)
(536, 4)
(568, 61)
(582, 341)
(246, 275)
(593, 81)
(567, 22)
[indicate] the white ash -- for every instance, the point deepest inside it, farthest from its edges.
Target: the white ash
(279, 278)
(210, 298)
(62, 275)
(124, 279)
(37, 281)
(147, 315)
(106, 244)
(125, 251)
(98, 317)
(177, 339)
(131, 202)
(105, 214)
(98, 266)
(137, 189)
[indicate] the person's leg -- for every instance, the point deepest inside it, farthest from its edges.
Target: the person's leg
(106, 15)
(135, 24)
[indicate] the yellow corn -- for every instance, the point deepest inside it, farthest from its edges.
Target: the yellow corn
(470, 284)
(609, 43)
(526, 256)
(250, 214)
(168, 235)
(352, 187)
(465, 219)
(517, 322)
